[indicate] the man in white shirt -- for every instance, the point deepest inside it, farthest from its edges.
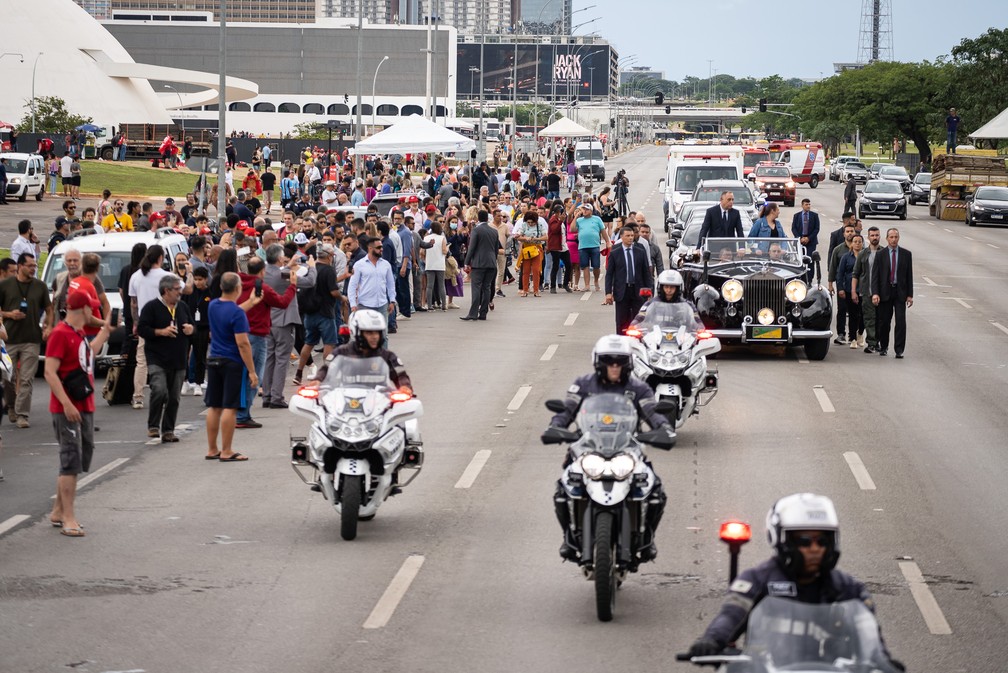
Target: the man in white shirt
(143, 288)
(65, 173)
(329, 197)
(506, 206)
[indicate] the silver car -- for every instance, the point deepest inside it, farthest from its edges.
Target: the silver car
(920, 189)
(854, 169)
(836, 166)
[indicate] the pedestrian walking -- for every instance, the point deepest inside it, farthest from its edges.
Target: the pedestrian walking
(845, 292)
(627, 273)
(862, 288)
(592, 235)
(481, 265)
(836, 254)
(434, 267)
(283, 321)
(198, 302)
(69, 371)
(319, 310)
(143, 288)
(892, 278)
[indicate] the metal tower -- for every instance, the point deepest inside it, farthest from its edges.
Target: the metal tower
(875, 40)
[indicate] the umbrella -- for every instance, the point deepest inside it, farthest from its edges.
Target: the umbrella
(5, 125)
(88, 128)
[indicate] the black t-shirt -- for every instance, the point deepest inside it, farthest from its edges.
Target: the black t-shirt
(54, 240)
(124, 278)
(325, 283)
(552, 181)
(268, 181)
(253, 204)
(186, 211)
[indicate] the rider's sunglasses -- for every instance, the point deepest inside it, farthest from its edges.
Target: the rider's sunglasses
(806, 541)
(608, 360)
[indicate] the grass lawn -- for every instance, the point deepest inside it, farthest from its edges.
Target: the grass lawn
(874, 151)
(5, 252)
(138, 178)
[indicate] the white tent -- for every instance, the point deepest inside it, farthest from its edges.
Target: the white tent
(415, 134)
(994, 129)
(565, 128)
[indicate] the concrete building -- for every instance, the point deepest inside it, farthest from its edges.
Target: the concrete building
(543, 17)
(281, 11)
(642, 72)
(471, 17)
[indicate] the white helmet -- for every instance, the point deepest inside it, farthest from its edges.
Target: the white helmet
(673, 278)
(613, 349)
(367, 320)
(802, 511)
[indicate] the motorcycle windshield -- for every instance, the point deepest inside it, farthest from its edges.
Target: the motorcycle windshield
(607, 423)
(800, 636)
(669, 317)
(345, 372)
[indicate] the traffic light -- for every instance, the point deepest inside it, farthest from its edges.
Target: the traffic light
(659, 98)
(743, 109)
(668, 109)
(346, 98)
(612, 122)
(762, 104)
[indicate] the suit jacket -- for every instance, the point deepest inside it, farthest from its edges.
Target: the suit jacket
(904, 275)
(835, 239)
(616, 271)
(483, 246)
(656, 257)
(280, 317)
(714, 227)
(813, 229)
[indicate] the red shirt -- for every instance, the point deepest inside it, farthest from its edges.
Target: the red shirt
(71, 348)
(259, 315)
(84, 285)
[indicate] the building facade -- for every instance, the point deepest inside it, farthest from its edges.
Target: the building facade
(258, 11)
(543, 17)
(471, 17)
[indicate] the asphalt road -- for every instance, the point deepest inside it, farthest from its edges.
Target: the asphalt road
(190, 566)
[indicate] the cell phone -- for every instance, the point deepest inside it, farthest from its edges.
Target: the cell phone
(258, 287)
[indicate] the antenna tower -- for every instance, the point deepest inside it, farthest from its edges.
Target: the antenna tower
(875, 39)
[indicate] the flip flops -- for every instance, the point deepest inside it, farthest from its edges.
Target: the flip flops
(234, 458)
(216, 456)
(72, 532)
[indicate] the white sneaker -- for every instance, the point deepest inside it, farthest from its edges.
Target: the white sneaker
(854, 345)
(138, 404)
(186, 388)
(198, 389)
(202, 389)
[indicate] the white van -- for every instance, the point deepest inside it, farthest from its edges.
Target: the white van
(807, 162)
(589, 159)
(26, 175)
(687, 166)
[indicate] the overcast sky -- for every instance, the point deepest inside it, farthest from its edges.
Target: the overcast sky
(793, 38)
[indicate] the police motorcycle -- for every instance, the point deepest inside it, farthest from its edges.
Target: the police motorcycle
(362, 440)
(609, 486)
(670, 355)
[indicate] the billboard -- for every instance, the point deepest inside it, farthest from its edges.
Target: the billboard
(565, 71)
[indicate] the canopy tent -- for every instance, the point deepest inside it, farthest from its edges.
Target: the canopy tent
(994, 129)
(415, 134)
(565, 128)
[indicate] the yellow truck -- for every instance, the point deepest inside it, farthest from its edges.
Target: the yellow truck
(954, 177)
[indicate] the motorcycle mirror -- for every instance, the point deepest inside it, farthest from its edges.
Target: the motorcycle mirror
(815, 256)
(665, 407)
(806, 260)
(556, 406)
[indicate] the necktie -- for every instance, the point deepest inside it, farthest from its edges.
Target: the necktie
(724, 219)
(805, 224)
(629, 267)
(892, 266)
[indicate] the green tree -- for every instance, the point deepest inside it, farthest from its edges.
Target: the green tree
(977, 80)
(51, 116)
(310, 131)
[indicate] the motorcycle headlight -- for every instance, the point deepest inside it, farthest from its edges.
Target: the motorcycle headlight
(622, 466)
(765, 316)
(731, 291)
(796, 291)
(593, 465)
(655, 356)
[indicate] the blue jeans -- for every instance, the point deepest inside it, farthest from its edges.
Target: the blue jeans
(950, 142)
(258, 344)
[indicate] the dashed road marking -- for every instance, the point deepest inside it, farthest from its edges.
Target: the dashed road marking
(571, 317)
(960, 302)
(397, 588)
(967, 238)
(550, 352)
(824, 400)
(100, 472)
(519, 397)
(473, 469)
(1000, 327)
(586, 296)
(857, 467)
(991, 245)
(13, 522)
(947, 229)
(926, 603)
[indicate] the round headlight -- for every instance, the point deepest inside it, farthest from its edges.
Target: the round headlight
(796, 291)
(622, 466)
(765, 316)
(731, 290)
(593, 465)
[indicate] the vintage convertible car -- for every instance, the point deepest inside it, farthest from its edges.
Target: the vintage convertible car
(754, 291)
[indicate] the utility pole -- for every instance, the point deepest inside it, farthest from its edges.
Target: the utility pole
(482, 130)
(710, 63)
(221, 114)
(360, 55)
(430, 20)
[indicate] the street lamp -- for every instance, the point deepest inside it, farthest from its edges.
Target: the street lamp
(181, 115)
(34, 66)
(374, 84)
(472, 73)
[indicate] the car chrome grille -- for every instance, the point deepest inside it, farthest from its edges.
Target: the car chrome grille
(759, 293)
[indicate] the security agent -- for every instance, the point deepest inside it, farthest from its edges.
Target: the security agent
(368, 336)
(613, 361)
(804, 532)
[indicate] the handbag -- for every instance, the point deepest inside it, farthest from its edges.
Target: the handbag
(530, 251)
(78, 385)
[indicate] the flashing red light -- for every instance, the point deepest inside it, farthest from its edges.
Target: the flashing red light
(344, 331)
(704, 334)
(646, 293)
(633, 332)
(735, 532)
(401, 396)
(308, 393)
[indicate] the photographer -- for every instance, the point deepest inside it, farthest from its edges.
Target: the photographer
(621, 186)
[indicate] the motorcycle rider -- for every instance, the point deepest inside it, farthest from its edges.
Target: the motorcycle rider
(612, 357)
(368, 334)
(670, 290)
(804, 532)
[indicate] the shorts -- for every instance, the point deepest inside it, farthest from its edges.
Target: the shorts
(319, 328)
(226, 384)
(67, 181)
(76, 443)
(590, 258)
(75, 181)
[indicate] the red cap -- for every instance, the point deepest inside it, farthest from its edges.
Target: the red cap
(204, 231)
(413, 199)
(431, 208)
(157, 215)
(78, 299)
(241, 224)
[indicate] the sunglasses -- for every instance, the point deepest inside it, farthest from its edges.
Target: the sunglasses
(806, 541)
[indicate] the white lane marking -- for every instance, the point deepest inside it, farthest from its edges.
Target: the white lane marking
(397, 588)
(472, 471)
(550, 352)
(991, 245)
(926, 603)
(824, 400)
(100, 472)
(571, 317)
(519, 397)
(929, 281)
(960, 302)
(586, 296)
(864, 480)
(947, 229)
(802, 359)
(931, 223)
(967, 238)
(12, 522)
(1000, 327)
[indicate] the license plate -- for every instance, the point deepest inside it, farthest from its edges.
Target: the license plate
(883, 207)
(997, 217)
(770, 333)
(775, 193)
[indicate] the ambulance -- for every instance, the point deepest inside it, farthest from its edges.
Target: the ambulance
(807, 162)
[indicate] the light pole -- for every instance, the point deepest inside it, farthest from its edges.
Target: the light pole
(221, 114)
(374, 84)
(360, 55)
(472, 74)
(34, 66)
(181, 115)
(710, 64)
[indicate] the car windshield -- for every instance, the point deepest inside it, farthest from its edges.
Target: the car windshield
(893, 172)
(595, 154)
(753, 158)
(882, 187)
(992, 193)
(112, 263)
(789, 635)
(726, 250)
(773, 172)
(855, 165)
(17, 166)
(669, 317)
(923, 179)
(688, 177)
(346, 372)
(878, 167)
(607, 423)
(713, 194)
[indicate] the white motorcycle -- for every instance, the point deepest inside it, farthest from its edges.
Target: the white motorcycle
(670, 355)
(363, 436)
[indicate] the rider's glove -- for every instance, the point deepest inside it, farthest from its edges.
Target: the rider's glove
(704, 647)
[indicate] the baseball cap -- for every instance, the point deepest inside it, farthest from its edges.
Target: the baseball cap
(413, 199)
(61, 220)
(330, 182)
(240, 225)
(300, 239)
(325, 249)
(169, 201)
(78, 300)
(431, 208)
(204, 231)
(156, 216)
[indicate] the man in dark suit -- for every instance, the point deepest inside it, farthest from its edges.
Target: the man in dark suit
(481, 265)
(722, 220)
(805, 226)
(836, 237)
(892, 282)
(627, 273)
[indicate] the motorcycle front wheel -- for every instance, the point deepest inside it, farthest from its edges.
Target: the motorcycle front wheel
(605, 567)
(350, 501)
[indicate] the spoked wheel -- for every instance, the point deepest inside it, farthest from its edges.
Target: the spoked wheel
(350, 501)
(606, 580)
